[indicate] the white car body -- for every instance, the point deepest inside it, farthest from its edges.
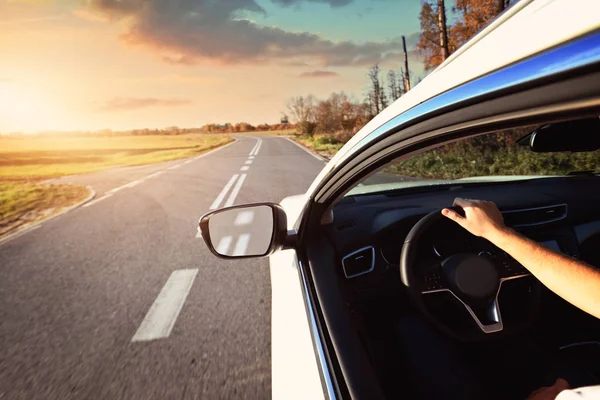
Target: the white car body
(527, 28)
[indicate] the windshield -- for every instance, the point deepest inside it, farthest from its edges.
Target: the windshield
(491, 157)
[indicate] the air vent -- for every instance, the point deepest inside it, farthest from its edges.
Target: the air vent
(535, 216)
(344, 225)
(359, 262)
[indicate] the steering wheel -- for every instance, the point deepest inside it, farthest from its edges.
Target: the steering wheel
(475, 280)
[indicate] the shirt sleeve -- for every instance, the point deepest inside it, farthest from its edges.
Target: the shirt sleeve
(585, 393)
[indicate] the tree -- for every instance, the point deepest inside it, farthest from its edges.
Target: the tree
(302, 110)
(438, 40)
(393, 86)
(435, 44)
(377, 97)
(404, 76)
(474, 15)
(443, 31)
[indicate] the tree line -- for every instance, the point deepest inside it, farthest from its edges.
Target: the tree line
(169, 131)
(343, 116)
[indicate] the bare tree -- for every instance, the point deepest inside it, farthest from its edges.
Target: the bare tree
(302, 110)
(378, 99)
(375, 89)
(394, 88)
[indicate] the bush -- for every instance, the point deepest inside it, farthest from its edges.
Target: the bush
(343, 136)
(306, 128)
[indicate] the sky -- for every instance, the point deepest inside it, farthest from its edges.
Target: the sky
(125, 64)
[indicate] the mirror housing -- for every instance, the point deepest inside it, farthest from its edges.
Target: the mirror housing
(246, 230)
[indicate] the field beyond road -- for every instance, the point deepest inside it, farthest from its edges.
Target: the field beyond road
(41, 157)
(26, 161)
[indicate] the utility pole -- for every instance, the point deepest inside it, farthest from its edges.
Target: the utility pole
(406, 74)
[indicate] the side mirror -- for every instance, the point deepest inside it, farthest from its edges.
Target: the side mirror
(249, 230)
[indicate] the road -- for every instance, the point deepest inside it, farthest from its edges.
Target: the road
(120, 300)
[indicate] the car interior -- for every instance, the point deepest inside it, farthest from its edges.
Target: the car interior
(415, 335)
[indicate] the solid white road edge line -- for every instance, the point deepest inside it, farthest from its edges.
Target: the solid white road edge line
(306, 150)
(106, 196)
(223, 193)
(235, 190)
(155, 174)
(163, 313)
(38, 224)
(241, 245)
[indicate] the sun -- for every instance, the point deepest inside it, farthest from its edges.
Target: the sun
(18, 103)
(23, 109)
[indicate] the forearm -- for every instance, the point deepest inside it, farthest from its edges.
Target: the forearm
(574, 281)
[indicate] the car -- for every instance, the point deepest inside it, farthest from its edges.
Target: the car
(364, 302)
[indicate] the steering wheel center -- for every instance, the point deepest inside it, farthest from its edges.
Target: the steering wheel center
(474, 276)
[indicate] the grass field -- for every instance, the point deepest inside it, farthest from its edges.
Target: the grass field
(26, 161)
(325, 145)
(280, 132)
(36, 158)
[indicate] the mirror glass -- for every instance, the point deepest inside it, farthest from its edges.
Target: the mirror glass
(243, 231)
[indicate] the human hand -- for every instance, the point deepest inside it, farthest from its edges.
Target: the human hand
(550, 392)
(482, 218)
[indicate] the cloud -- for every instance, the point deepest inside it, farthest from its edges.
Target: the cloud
(132, 103)
(412, 39)
(89, 15)
(200, 79)
(319, 74)
(332, 3)
(188, 32)
(24, 21)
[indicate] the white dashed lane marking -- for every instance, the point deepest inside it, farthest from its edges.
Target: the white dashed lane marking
(224, 243)
(244, 218)
(163, 313)
(241, 246)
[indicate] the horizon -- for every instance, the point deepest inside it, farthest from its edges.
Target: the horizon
(71, 66)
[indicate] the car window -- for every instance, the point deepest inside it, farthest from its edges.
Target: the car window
(497, 156)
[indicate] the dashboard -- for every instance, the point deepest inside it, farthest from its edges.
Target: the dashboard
(369, 230)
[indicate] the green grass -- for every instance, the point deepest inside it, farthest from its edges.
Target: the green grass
(440, 164)
(325, 145)
(22, 203)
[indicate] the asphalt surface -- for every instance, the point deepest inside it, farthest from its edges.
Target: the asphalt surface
(74, 292)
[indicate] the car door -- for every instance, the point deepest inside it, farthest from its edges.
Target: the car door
(491, 83)
(554, 83)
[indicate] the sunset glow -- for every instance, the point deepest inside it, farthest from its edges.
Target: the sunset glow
(108, 65)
